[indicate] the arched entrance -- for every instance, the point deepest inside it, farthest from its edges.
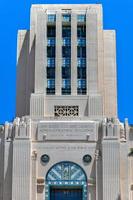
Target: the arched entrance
(66, 181)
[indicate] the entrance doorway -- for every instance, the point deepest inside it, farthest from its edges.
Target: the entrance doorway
(66, 181)
(66, 194)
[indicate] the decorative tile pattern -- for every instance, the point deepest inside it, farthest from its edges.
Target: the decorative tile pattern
(66, 174)
(60, 111)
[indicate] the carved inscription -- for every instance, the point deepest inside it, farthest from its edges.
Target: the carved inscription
(67, 130)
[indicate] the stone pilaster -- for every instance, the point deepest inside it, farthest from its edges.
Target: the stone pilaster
(41, 53)
(58, 68)
(74, 53)
(92, 51)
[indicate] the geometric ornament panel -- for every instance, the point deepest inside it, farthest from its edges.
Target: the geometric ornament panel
(66, 171)
(66, 111)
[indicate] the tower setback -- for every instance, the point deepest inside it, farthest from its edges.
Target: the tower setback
(66, 142)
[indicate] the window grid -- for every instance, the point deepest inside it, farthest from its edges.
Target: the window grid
(66, 17)
(51, 17)
(51, 41)
(81, 18)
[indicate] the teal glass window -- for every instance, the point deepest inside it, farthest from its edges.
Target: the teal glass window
(66, 41)
(81, 18)
(81, 31)
(50, 62)
(66, 83)
(51, 17)
(66, 17)
(51, 83)
(81, 51)
(50, 86)
(81, 86)
(66, 62)
(81, 41)
(81, 62)
(51, 41)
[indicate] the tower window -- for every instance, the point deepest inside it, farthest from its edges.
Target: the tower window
(81, 52)
(66, 86)
(66, 51)
(51, 86)
(81, 86)
(51, 18)
(66, 17)
(50, 62)
(81, 72)
(81, 31)
(51, 51)
(81, 18)
(66, 31)
(51, 31)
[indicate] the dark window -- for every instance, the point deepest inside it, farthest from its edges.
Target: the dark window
(51, 41)
(66, 17)
(81, 18)
(50, 86)
(51, 51)
(50, 91)
(66, 87)
(66, 72)
(81, 72)
(81, 91)
(51, 83)
(50, 62)
(50, 72)
(51, 18)
(81, 62)
(66, 51)
(81, 41)
(81, 31)
(66, 91)
(81, 52)
(66, 83)
(66, 31)
(66, 41)
(66, 62)
(51, 31)
(81, 86)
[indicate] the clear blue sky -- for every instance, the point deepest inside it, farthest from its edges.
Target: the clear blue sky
(15, 14)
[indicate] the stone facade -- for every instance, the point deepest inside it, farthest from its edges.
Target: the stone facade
(72, 140)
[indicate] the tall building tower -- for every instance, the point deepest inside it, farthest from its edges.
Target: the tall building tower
(66, 142)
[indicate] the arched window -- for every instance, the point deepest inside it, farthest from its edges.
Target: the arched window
(68, 175)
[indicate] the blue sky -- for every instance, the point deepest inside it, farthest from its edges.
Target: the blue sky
(15, 15)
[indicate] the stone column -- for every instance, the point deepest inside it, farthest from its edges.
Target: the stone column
(41, 53)
(98, 175)
(58, 67)
(74, 53)
(34, 175)
(21, 173)
(92, 52)
(111, 168)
